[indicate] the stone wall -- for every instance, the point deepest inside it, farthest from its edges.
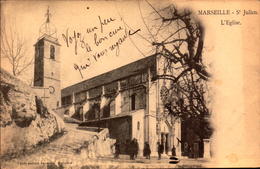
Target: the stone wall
(138, 129)
(25, 122)
(99, 145)
(140, 99)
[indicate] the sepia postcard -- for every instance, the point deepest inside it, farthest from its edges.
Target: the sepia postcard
(129, 84)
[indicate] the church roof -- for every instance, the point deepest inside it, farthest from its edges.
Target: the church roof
(48, 38)
(113, 75)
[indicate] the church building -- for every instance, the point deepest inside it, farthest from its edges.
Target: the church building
(127, 101)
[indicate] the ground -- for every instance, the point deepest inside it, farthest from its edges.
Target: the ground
(141, 162)
(62, 153)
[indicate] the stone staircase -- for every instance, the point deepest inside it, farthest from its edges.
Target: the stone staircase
(75, 146)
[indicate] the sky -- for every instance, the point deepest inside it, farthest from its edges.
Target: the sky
(80, 16)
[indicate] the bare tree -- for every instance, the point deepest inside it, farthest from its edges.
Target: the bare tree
(177, 36)
(13, 49)
(187, 98)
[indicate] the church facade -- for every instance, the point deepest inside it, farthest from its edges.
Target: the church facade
(127, 101)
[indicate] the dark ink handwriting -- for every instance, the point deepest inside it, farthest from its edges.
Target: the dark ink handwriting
(115, 31)
(104, 22)
(76, 38)
(99, 54)
(101, 40)
(116, 46)
(90, 30)
(134, 32)
(98, 40)
(82, 67)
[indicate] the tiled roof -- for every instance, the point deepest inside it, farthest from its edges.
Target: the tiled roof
(113, 75)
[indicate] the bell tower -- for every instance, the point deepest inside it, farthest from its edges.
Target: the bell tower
(47, 65)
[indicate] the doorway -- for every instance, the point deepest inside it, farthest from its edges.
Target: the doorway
(165, 142)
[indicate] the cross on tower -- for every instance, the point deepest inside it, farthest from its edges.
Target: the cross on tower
(47, 27)
(48, 14)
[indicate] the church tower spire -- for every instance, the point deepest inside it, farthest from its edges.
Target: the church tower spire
(47, 28)
(48, 15)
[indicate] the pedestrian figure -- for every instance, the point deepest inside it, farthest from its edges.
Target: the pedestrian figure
(159, 149)
(131, 149)
(127, 147)
(147, 150)
(190, 152)
(186, 149)
(195, 150)
(117, 149)
(173, 151)
(166, 149)
(136, 148)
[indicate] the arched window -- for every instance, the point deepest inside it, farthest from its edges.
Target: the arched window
(52, 52)
(67, 112)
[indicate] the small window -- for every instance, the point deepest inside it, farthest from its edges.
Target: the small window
(66, 100)
(67, 112)
(138, 125)
(133, 102)
(106, 110)
(52, 52)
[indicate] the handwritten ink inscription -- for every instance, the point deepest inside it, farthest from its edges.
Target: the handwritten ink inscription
(96, 41)
(77, 39)
(104, 22)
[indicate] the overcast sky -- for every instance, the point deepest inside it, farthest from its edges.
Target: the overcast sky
(27, 18)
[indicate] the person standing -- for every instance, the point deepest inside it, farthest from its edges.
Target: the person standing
(117, 149)
(147, 150)
(186, 149)
(131, 149)
(136, 148)
(159, 149)
(173, 151)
